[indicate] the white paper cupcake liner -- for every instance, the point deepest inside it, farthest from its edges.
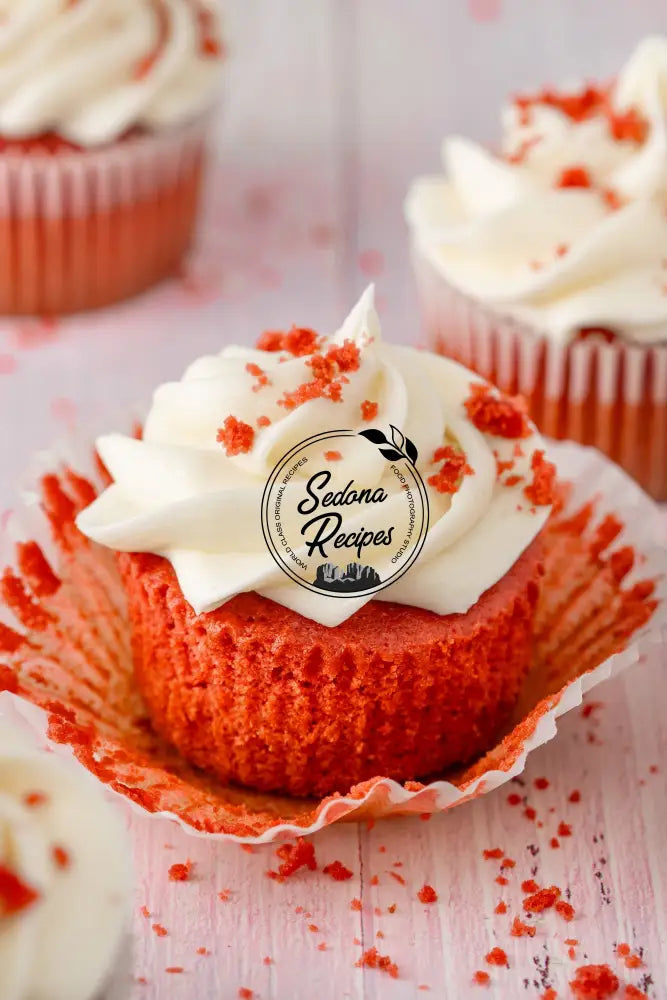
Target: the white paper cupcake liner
(612, 396)
(70, 676)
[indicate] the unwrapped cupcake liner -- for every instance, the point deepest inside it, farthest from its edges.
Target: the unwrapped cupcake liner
(612, 396)
(81, 229)
(65, 661)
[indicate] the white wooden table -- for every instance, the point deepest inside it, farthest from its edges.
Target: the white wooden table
(332, 106)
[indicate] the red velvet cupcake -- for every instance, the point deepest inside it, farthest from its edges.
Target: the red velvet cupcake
(103, 120)
(283, 683)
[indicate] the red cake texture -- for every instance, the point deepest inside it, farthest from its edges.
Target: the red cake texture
(258, 695)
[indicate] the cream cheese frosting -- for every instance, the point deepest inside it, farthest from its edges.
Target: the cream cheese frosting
(90, 70)
(564, 229)
(66, 845)
(176, 492)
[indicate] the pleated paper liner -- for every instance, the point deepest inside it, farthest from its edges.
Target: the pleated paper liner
(65, 655)
(609, 395)
(81, 229)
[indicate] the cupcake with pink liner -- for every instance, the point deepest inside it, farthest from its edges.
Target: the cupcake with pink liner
(103, 120)
(544, 266)
(65, 880)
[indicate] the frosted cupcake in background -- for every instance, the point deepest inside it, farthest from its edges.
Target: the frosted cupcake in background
(64, 881)
(103, 119)
(544, 266)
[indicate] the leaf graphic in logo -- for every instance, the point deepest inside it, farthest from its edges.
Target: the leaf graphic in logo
(374, 435)
(411, 451)
(391, 454)
(397, 437)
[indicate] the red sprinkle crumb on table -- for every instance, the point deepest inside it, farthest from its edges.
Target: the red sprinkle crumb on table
(529, 813)
(237, 438)
(145, 912)
(372, 959)
(653, 769)
(623, 949)
(267, 960)
(427, 894)
(175, 969)
(481, 978)
(399, 878)
(542, 489)
(15, 894)
(572, 941)
(564, 829)
(60, 856)
(203, 951)
(322, 946)
(513, 799)
(529, 885)
(565, 910)
(392, 908)
(313, 928)
(501, 907)
(508, 863)
(180, 872)
(332, 456)
(549, 994)
(594, 982)
(369, 410)
(575, 796)
(245, 993)
(34, 799)
(574, 177)
(501, 416)
(338, 871)
(634, 993)
(224, 895)
(424, 988)
(296, 856)
(541, 900)
(494, 854)
(572, 954)
(355, 904)
(377, 911)
(541, 783)
(633, 962)
(375, 880)
(554, 843)
(501, 880)
(497, 957)
(160, 930)
(521, 929)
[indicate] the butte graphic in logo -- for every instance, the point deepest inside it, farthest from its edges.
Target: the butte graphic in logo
(345, 513)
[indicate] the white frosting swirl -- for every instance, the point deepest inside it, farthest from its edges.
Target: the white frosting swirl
(92, 69)
(176, 493)
(560, 258)
(63, 945)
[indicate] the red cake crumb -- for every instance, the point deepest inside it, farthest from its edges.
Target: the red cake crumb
(549, 994)
(508, 863)
(589, 102)
(375, 880)
(372, 959)
(203, 951)
(633, 962)
(494, 854)
(332, 456)
(542, 490)
(541, 900)
(427, 894)
(623, 949)
(328, 371)
(513, 799)
(501, 880)
(392, 908)
(513, 481)
(369, 410)
(572, 954)
(355, 904)
(322, 946)
(245, 993)
(574, 177)
(501, 416)
(529, 812)
(654, 769)
(521, 929)
(15, 894)
(634, 993)
(554, 843)
(236, 436)
(594, 982)
(481, 978)
(180, 872)
(60, 856)
(299, 341)
(224, 895)
(262, 379)
(454, 467)
(267, 960)
(575, 796)
(572, 941)
(175, 969)
(501, 907)
(338, 871)
(377, 911)
(565, 910)
(145, 912)
(564, 829)
(541, 783)
(295, 856)
(497, 957)
(399, 878)
(35, 799)
(160, 930)
(313, 928)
